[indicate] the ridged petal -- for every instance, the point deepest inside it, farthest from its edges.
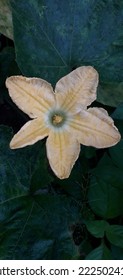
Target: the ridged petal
(95, 128)
(29, 134)
(78, 89)
(62, 152)
(33, 96)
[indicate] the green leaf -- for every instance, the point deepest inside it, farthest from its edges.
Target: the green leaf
(100, 253)
(52, 38)
(15, 165)
(6, 26)
(117, 252)
(37, 228)
(85, 248)
(118, 113)
(33, 225)
(108, 172)
(97, 228)
(105, 192)
(116, 154)
(110, 93)
(114, 234)
(105, 200)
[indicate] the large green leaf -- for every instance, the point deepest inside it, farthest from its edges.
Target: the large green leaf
(97, 228)
(106, 189)
(100, 253)
(110, 93)
(33, 225)
(114, 233)
(37, 228)
(107, 171)
(52, 38)
(105, 200)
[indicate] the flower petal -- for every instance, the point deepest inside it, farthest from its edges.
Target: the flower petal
(78, 89)
(62, 152)
(95, 128)
(33, 96)
(29, 134)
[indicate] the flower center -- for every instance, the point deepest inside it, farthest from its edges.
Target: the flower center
(57, 119)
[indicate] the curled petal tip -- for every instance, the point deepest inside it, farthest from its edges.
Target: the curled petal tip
(118, 136)
(11, 145)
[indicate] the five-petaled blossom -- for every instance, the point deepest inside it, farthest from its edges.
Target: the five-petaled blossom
(62, 116)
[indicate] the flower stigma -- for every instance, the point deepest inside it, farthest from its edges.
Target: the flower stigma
(57, 119)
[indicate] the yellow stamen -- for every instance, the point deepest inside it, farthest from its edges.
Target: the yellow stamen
(57, 119)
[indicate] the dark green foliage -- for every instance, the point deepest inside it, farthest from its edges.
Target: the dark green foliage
(33, 225)
(100, 253)
(52, 38)
(42, 217)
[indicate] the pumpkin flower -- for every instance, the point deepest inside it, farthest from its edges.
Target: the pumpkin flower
(62, 115)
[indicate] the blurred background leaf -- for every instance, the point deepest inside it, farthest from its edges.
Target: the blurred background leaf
(114, 234)
(97, 227)
(100, 253)
(6, 26)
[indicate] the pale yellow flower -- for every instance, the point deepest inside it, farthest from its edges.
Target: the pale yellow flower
(62, 116)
